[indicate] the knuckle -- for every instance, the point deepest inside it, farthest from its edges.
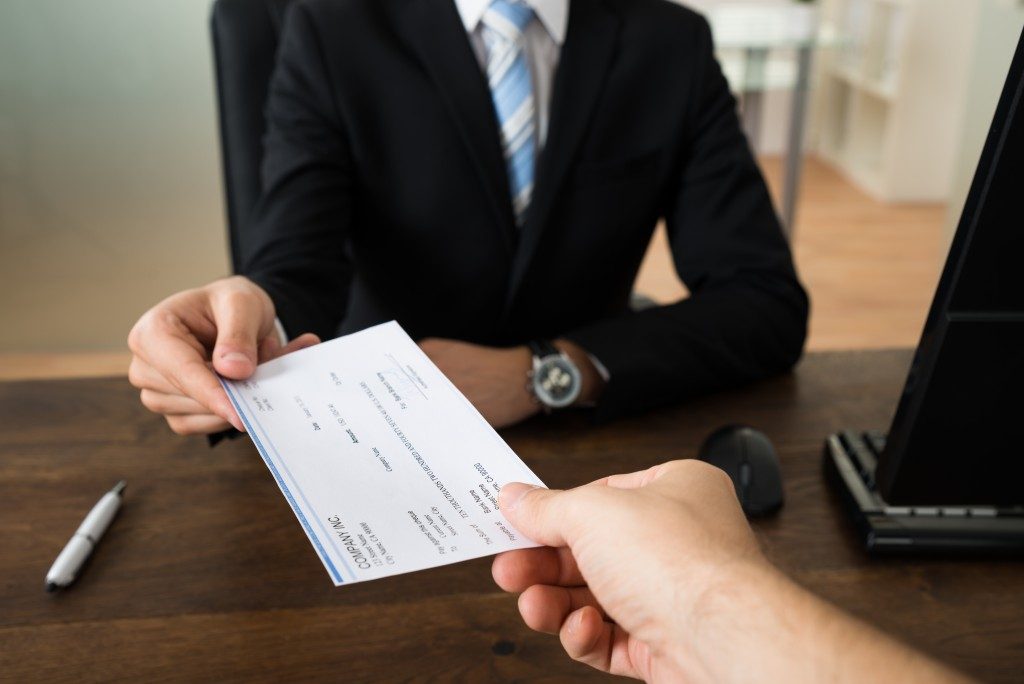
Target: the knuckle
(156, 322)
(135, 372)
(177, 425)
(235, 338)
(232, 282)
(167, 321)
(688, 466)
(682, 466)
(238, 294)
(137, 335)
(712, 475)
(198, 382)
(711, 472)
(133, 337)
(546, 507)
(235, 299)
(147, 399)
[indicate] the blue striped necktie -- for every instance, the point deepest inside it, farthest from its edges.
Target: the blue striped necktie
(512, 92)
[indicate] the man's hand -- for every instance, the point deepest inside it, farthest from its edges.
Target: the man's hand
(657, 575)
(495, 379)
(227, 327)
(630, 558)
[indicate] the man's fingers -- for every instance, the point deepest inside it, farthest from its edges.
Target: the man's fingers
(144, 376)
(300, 342)
(197, 425)
(269, 348)
(544, 607)
(634, 480)
(538, 513)
(159, 395)
(171, 348)
(196, 380)
(242, 320)
(640, 478)
(514, 571)
(586, 637)
(187, 371)
(605, 646)
(171, 404)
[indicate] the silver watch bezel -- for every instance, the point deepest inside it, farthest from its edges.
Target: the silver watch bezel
(544, 396)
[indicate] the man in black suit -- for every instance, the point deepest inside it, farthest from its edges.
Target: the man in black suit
(489, 173)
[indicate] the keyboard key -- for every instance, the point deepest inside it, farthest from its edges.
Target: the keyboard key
(875, 440)
(863, 459)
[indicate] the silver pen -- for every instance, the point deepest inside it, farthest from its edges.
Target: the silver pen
(81, 545)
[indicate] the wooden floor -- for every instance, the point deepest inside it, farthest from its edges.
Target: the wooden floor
(871, 269)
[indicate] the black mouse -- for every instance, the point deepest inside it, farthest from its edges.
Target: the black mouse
(749, 459)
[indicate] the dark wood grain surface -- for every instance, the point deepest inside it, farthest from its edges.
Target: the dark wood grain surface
(206, 574)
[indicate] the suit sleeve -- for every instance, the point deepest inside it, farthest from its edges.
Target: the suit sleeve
(295, 244)
(746, 316)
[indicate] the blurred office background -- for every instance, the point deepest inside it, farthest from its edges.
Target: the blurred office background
(110, 189)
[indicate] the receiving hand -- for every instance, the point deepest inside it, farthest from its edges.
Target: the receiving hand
(227, 327)
(629, 561)
(657, 575)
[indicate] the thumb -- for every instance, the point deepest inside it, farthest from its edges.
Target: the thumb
(536, 512)
(239, 323)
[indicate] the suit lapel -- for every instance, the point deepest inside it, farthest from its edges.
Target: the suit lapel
(434, 31)
(584, 62)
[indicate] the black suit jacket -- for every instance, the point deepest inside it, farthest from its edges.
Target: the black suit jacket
(386, 196)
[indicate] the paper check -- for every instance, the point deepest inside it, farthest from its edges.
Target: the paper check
(387, 466)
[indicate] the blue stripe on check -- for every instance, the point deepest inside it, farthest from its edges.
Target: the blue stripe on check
(286, 490)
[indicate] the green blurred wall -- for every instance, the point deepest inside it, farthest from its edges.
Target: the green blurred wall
(110, 194)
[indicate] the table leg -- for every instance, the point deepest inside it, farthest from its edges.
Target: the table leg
(794, 152)
(752, 95)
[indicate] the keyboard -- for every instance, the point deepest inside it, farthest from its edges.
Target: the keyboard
(864, 450)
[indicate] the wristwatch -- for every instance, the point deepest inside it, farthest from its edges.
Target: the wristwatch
(555, 381)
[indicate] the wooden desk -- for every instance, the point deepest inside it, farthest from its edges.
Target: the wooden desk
(206, 575)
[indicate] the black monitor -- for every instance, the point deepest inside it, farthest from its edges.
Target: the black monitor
(958, 433)
(954, 451)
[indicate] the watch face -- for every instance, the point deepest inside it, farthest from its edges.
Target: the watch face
(556, 381)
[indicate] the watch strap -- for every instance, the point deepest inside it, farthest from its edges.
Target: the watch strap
(542, 348)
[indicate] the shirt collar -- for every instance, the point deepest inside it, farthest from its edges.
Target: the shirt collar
(553, 14)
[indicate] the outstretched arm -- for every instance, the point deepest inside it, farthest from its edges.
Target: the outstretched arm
(657, 575)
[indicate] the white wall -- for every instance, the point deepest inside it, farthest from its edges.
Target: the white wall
(110, 193)
(998, 30)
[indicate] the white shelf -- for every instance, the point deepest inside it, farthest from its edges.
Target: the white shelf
(885, 107)
(762, 24)
(885, 90)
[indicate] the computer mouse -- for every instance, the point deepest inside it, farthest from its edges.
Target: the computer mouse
(748, 457)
